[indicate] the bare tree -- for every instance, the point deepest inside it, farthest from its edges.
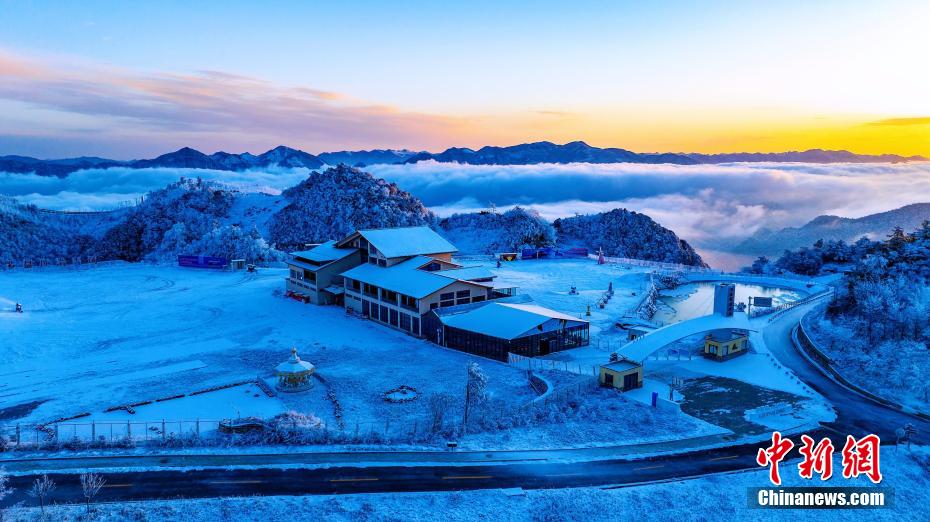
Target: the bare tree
(440, 405)
(90, 486)
(5, 489)
(41, 489)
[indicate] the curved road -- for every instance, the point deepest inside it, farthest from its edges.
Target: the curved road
(855, 415)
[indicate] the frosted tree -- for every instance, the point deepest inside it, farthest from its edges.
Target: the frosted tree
(475, 391)
(477, 384)
(41, 489)
(5, 489)
(90, 487)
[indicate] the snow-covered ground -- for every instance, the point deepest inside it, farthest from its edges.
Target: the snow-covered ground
(124, 334)
(717, 497)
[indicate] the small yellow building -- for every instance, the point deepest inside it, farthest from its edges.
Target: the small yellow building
(721, 345)
(621, 373)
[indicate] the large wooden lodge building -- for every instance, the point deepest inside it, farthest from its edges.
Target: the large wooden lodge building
(405, 278)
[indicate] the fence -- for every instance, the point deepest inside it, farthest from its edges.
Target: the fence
(782, 309)
(809, 347)
(674, 267)
(530, 363)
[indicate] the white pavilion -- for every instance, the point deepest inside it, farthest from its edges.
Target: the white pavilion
(294, 374)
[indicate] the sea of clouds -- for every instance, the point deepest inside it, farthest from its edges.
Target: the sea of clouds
(709, 205)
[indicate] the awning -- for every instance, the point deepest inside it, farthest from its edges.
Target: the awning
(335, 290)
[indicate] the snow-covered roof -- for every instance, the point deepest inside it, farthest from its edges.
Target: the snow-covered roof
(324, 252)
(294, 364)
(621, 365)
(407, 241)
(469, 272)
(726, 334)
(402, 277)
(506, 320)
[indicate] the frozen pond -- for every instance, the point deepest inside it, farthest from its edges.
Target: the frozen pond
(697, 299)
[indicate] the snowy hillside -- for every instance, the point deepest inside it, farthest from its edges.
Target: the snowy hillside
(340, 200)
(623, 233)
(874, 226)
(29, 233)
(489, 232)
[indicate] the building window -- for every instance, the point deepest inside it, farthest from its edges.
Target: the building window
(462, 301)
(382, 263)
(433, 306)
(415, 325)
(432, 267)
(356, 285)
(366, 308)
(408, 302)
(389, 296)
(384, 314)
(393, 317)
(405, 322)
(477, 299)
(462, 293)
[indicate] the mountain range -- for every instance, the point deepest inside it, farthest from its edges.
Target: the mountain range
(873, 226)
(524, 154)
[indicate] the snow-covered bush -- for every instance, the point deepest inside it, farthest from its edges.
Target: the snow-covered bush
(488, 232)
(623, 233)
(188, 209)
(333, 203)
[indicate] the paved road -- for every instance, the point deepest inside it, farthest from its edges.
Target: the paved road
(855, 415)
(216, 482)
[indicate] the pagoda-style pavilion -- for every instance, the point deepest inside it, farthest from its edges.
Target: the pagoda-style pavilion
(294, 374)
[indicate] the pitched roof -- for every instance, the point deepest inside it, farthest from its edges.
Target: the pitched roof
(324, 252)
(506, 320)
(407, 241)
(403, 277)
(468, 272)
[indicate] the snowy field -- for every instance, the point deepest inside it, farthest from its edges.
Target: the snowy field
(125, 334)
(716, 497)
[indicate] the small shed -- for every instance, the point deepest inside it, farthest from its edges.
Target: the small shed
(237, 264)
(621, 373)
(294, 374)
(720, 345)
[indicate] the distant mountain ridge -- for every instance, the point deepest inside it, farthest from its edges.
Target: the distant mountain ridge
(548, 152)
(523, 154)
(807, 156)
(182, 158)
(873, 226)
(363, 158)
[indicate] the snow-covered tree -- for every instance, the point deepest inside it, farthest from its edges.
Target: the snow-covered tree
(490, 232)
(624, 233)
(333, 203)
(41, 488)
(90, 487)
(5, 489)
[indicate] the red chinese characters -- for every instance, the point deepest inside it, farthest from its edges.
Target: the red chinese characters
(817, 458)
(861, 458)
(773, 455)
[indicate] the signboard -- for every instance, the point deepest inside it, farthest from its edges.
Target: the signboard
(762, 301)
(202, 262)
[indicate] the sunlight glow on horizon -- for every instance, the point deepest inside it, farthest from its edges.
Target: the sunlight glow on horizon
(677, 77)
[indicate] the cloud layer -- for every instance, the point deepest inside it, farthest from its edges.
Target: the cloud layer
(707, 205)
(702, 203)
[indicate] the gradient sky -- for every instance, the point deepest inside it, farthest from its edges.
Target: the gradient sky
(132, 79)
